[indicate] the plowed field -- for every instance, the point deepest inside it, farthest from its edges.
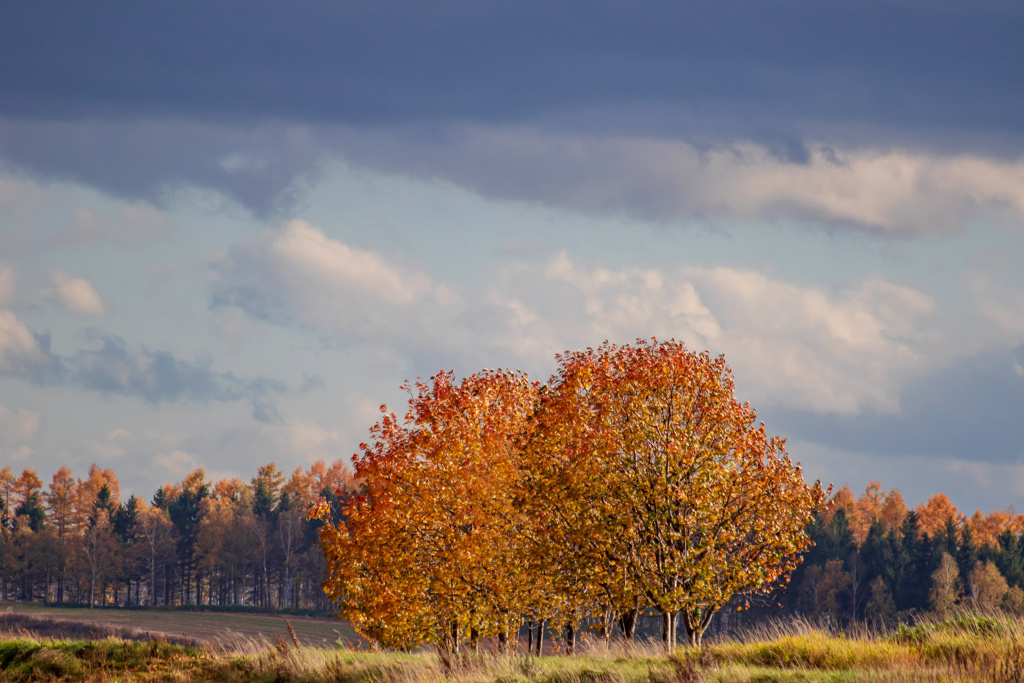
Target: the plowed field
(201, 626)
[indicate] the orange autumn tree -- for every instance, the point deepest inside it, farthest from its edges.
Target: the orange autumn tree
(708, 504)
(580, 532)
(933, 515)
(431, 549)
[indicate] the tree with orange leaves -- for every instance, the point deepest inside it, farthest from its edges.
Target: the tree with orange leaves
(712, 505)
(933, 515)
(28, 497)
(60, 504)
(430, 550)
(7, 480)
(987, 528)
(581, 531)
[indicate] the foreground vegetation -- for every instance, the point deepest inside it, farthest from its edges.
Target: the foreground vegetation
(963, 648)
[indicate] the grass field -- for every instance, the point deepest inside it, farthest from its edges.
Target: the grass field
(964, 648)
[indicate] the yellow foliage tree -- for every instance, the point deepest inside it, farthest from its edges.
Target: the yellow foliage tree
(432, 548)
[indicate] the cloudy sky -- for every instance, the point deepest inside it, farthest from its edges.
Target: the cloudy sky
(229, 231)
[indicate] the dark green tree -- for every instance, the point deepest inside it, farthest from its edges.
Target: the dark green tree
(31, 509)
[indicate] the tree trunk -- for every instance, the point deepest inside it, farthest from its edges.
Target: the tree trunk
(694, 638)
(570, 639)
(607, 624)
(455, 639)
(540, 637)
(627, 622)
(695, 626)
(668, 630)
(529, 636)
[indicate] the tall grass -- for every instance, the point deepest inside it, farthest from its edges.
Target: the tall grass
(963, 648)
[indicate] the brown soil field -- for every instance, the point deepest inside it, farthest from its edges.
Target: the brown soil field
(199, 626)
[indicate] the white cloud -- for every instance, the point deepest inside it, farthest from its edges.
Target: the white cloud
(298, 273)
(121, 223)
(20, 453)
(113, 445)
(807, 348)
(1000, 305)
(18, 426)
(232, 326)
(813, 349)
(163, 437)
(888, 191)
(59, 215)
(73, 294)
(309, 441)
(19, 351)
(106, 451)
(238, 449)
(177, 463)
(818, 350)
(311, 261)
(894, 191)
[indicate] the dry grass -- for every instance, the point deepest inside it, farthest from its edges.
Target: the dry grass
(964, 649)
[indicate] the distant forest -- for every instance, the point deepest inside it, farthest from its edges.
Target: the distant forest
(231, 543)
(875, 560)
(249, 544)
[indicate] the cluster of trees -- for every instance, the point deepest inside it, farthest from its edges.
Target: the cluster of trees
(874, 559)
(196, 543)
(632, 482)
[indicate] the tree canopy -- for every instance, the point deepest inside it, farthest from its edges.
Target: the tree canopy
(633, 479)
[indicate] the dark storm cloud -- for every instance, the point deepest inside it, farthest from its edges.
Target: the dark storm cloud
(912, 65)
(969, 411)
(150, 159)
(246, 97)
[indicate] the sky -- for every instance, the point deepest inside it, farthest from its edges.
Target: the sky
(230, 231)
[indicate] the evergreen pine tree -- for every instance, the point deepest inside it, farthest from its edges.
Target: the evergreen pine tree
(124, 518)
(899, 573)
(876, 555)
(947, 540)
(32, 510)
(922, 564)
(1009, 559)
(966, 558)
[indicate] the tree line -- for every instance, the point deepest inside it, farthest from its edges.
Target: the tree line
(874, 559)
(633, 481)
(228, 543)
